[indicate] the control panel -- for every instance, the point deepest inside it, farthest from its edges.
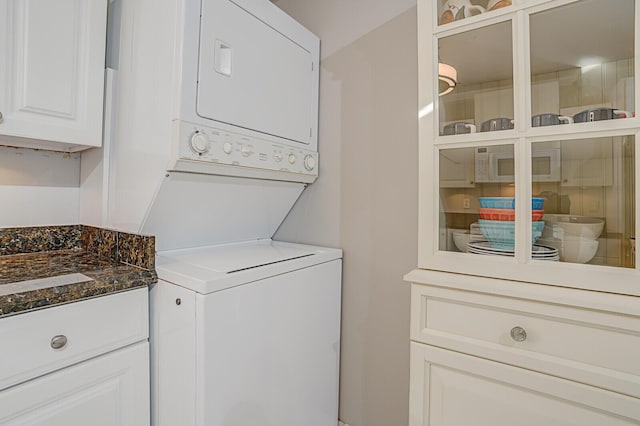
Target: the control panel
(211, 145)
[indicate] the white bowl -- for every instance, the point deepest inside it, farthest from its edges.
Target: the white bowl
(571, 225)
(462, 237)
(573, 249)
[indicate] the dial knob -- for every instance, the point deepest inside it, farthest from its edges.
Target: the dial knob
(227, 148)
(309, 162)
(277, 156)
(292, 158)
(199, 143)
(246, 151)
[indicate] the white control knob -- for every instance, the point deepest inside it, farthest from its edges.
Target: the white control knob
(227, 148)
(292, 158)
(246, 151)
(199, 143)
(277, 156)
(309, 162)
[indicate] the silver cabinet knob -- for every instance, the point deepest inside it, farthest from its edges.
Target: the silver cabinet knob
(59, 341)
(518, 334)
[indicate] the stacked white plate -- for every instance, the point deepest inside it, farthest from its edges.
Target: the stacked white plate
(538, 252)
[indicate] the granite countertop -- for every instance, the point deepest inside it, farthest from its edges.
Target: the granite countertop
(47, 266)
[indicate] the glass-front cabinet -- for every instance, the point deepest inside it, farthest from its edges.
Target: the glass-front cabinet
(528, 141)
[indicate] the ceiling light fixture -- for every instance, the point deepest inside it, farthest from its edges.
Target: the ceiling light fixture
(447, 78)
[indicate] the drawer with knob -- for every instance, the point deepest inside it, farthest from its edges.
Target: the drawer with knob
(38, 342)
(585, 340)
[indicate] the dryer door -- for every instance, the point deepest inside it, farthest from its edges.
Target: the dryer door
(250, 74)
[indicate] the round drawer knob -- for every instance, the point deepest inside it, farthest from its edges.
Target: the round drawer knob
(59, 341)
(518, 334)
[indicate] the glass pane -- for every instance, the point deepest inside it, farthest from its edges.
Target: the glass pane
(481, 64)
(455, 10)
(589, 199)
(582, 62)
(469, 179)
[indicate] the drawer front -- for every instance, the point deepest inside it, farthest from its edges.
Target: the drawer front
(36, 343)
(598, 347)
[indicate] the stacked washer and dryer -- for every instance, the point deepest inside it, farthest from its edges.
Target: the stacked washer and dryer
(213, 139)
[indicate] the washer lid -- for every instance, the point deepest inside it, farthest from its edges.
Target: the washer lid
(214, 268)
(232, 258)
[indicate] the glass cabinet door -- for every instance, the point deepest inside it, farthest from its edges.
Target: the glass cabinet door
(477, 202)
(582, 62)
(475, 70)
(589, 213)
(532, 127)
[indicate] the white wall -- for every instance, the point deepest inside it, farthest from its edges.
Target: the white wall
(365, 200)
(38, 187)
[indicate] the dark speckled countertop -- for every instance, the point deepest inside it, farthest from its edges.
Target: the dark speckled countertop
(111, 261)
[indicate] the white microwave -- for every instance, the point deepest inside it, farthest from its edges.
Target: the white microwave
(497, 164)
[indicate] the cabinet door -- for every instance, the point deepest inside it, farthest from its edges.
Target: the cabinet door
(52, 72)
(107, 391)
(266, 78)
(587, 163)
(451, 389)
(457, 168)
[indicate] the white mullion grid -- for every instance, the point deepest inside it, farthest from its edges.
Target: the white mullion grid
(521, 73)
(522, 152)
(522, 149)
(582, 135)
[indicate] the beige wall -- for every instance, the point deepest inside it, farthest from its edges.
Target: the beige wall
(365, 200)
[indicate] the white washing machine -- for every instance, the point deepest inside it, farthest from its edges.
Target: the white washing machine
(246, 334)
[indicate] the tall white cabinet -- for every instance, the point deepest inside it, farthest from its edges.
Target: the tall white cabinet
(536, 318)
(52, 60)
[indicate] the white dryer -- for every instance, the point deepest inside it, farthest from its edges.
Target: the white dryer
(246, 334)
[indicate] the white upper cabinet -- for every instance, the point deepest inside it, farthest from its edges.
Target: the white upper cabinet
(528, 134)
(52, 56)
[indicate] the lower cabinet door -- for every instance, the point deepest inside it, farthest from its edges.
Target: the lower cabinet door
(109, 390)
(452, 389)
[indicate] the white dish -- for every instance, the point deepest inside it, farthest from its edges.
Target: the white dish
(462, 237)
(573, 249)
(538, 252)
(559, 225)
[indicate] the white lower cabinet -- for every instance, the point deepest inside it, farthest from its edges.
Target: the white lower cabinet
(504, 353)
(79, 364)
(453, 389)
(109, 390)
